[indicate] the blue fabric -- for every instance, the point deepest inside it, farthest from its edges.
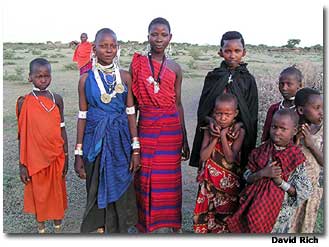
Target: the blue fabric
(107, 134)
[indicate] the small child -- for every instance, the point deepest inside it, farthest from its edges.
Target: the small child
(82, 54)
(232, 77)
(107, 152)
(309, 104)
(43, 157)
(290, 81)
(277, 181)
(220, 175)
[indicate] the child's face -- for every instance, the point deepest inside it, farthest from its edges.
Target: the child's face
(159, 37)
(224, 113)
(106, 48)
(83, 38)
(313, 109)
(233, 52)
(40, 76)
(282, 130)
(288, 86)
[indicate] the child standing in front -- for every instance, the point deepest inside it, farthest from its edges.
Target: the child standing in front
(232, 77)
(107, 151)
(309, 104)
(277, 181)
(219, 178)
(43, 157)
(290, 81)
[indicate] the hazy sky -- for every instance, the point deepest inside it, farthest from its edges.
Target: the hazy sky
(202, 21)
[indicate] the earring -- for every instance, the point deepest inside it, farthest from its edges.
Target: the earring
(94, 60)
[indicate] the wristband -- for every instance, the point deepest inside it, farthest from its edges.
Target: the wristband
(82, 114)
(62, 124)
(130, 110)
(284, 186)
(78, 152)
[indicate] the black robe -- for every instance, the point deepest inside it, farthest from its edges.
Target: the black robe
(244, 88)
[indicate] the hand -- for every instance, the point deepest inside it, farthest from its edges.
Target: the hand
(214, 128)
(79, 167)
(236, 130)
(277, 180)
(135, 163)
(185, 150)
(24, 175)
(66, 165)
(305, 130)
(272, 170)
(224, 132)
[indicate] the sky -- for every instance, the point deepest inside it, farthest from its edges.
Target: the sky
(201, 22)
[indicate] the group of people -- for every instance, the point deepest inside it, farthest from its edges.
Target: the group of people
(131, 139)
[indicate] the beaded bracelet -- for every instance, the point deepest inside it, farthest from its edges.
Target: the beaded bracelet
(284, 186)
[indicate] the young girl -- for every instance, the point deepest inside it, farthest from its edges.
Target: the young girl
(156, 85)
(104, 154)
(277, 181)
(309, 104)
(43, 158)
(290, 81)
(220, 175)
(82, 54)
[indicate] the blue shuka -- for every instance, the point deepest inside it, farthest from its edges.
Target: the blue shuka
(107, 134)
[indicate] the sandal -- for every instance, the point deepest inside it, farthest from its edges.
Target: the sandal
(41, 228)
(100, 230)
(58, 228)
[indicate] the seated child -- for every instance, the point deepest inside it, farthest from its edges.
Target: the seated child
(277, 181)
(219, 179)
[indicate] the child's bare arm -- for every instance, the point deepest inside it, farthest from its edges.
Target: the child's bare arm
(60, 104)
(208, 145)
(231, 153)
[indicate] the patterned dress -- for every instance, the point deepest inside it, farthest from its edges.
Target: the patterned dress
(306, 215)
(158, 184)
(218, 192)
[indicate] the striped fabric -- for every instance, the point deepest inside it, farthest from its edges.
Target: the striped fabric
(158, 184)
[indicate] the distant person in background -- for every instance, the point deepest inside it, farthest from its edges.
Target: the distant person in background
(290, 81)
(309, 104)
(82, 54)
(231, 77)
(43, 157)
(156, 84)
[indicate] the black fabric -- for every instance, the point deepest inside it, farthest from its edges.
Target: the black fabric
(117, 217)
(245, 89)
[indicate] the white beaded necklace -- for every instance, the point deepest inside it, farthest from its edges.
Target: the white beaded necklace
(41, 103)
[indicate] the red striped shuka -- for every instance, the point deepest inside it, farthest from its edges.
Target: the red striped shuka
(158, 183)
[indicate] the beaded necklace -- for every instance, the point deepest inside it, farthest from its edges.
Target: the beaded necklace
(42, 104)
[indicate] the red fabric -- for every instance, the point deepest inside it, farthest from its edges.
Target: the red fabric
(82, 54)
(144, 91)
(268, 121)
(218, 193)
(260, 202)
(42, 153)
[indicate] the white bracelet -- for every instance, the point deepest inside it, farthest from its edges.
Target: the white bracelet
(246, 174)
(130, 110)
(284, 186)
(135, 145)
(78, 152)
(82, 114)
(62, 124)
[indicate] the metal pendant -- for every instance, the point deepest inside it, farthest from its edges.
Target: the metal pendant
(106, 98)
(119, 88)
(156, 87)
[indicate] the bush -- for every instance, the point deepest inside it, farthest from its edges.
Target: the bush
(71, 66)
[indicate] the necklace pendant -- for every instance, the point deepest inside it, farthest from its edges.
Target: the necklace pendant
(150, 79)
(106, 98)
(119, 88)
(156, 87)
(230, 79)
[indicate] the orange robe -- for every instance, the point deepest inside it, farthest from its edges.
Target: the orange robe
(42, 153)
(82, 54)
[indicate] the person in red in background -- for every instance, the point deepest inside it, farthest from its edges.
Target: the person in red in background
(82, 54)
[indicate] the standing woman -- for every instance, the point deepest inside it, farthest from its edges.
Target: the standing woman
(156, 84)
